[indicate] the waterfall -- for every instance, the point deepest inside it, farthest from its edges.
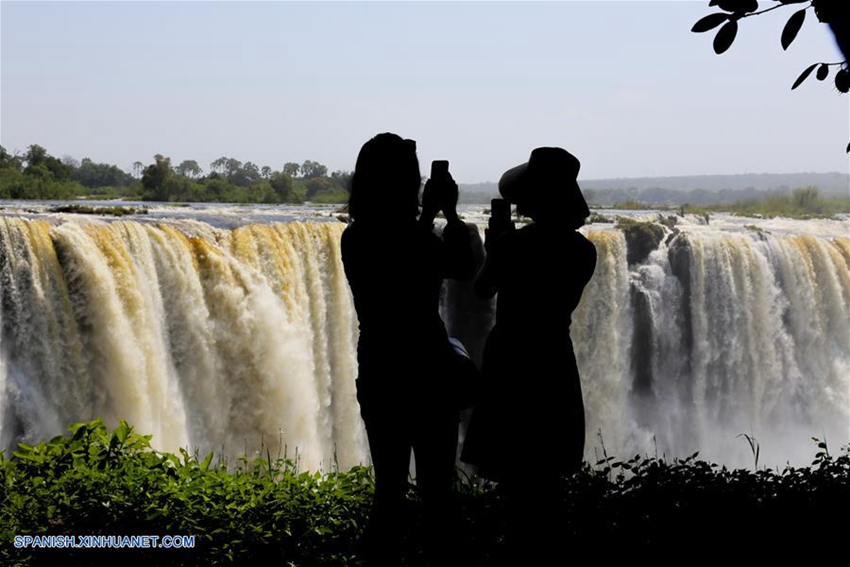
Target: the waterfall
(730, 334)
(208, 339)
(223, 339)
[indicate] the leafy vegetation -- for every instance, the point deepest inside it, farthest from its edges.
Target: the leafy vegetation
(703, 190)
(100, 482)
(35, 176)
(834, 14)
(801, 203)
(828, 12)
(97, 481)
(629, 205)
(115, 211)
(38, 175)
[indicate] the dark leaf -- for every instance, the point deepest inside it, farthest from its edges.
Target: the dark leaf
(709, 22)
(750, 6)
(792, 26)
(842, 80)
(848, 148)
(737, 6)
(724, 38)
(823, 72)
(804, 75)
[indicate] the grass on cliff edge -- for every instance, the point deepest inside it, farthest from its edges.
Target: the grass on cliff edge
(97, 481)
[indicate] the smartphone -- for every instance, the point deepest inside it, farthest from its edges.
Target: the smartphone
(439, 169)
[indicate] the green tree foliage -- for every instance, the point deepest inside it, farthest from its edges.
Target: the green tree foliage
(311, 169)
(183, 189)
(342, 179)
(283, 186)
(155, 179)
(317, 185)
(8, 161)
(189, 168)
(262, 192)
(291, 169)
(801, 203)
(232, 167)
(218, 166)
(90, 174)
(805, 197)
(35, 156)
(71, 162)
(38, 175)
(35, 175)
(38, 160)
(243, 175)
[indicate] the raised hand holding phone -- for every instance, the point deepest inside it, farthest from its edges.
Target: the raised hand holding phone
(440, 194)
(499, 223)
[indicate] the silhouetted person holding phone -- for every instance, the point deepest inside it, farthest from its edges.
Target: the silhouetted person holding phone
(395, 265)
(528, 429)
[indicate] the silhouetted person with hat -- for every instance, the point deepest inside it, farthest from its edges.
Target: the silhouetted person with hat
(395, 265)
(529, 428)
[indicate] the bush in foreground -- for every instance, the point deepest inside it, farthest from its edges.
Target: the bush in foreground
(95, 481)
(100, 482)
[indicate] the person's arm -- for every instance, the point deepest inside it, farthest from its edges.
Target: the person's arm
(583, 270)
(459, 255)
(486, 283)
(430, 205)
(350, 259)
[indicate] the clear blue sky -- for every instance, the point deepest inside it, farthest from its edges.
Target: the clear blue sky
(624, 85)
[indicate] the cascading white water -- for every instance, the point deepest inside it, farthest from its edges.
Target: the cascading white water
(734, 333)
(601, 332)
(216, 339)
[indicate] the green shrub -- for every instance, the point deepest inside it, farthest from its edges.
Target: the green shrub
(100, 482)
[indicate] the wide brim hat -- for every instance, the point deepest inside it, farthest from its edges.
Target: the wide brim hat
(548, 178)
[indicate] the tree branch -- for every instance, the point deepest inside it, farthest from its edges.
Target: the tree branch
(770, 10)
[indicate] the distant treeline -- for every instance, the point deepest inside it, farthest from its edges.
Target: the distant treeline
(801, 203)
(701, 190)
(698, 197)
(39, 175)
